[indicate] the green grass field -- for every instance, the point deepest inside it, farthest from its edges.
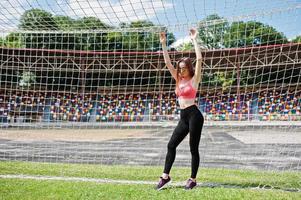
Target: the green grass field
(229, 184)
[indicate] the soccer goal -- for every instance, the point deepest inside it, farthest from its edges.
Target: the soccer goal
(85, 81)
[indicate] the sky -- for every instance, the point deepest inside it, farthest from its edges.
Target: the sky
(178, 15)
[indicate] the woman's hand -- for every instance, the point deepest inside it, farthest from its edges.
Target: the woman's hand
(193, 33)
(163, 38)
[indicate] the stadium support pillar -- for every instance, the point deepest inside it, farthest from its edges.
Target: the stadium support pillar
(83, 77)
(238, 107)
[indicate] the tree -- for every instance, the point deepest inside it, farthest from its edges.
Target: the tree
(216, 32)
(26, 79)
(64, 23)
(242, 34)
(142, 35)
(37, 19)
(2, 42)
(185, 46)
(137, 37)
(14, 40)
(95, 38)
(87, 33)
(40, 20)
(224, 79)
(114, 41)
(297, 39)
(89, 23)
(212, 30)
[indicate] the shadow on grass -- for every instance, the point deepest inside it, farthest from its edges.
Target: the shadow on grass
(236, 186)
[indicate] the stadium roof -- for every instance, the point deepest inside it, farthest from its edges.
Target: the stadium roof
(272, 55)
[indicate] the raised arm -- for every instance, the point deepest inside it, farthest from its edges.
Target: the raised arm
(199, 59)
(171, 68)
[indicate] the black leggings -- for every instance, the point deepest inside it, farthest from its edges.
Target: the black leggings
(191, 121)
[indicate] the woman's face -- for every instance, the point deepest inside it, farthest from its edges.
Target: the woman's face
(183, 70)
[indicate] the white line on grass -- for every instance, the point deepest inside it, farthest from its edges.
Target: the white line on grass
(132, 182)
(77, 179)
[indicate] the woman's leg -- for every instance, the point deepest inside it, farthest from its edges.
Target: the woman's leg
(195, 128)
(177, 137)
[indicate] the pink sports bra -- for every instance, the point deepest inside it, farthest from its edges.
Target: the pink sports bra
(186, 90)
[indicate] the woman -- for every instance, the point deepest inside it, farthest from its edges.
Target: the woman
(191, 121)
